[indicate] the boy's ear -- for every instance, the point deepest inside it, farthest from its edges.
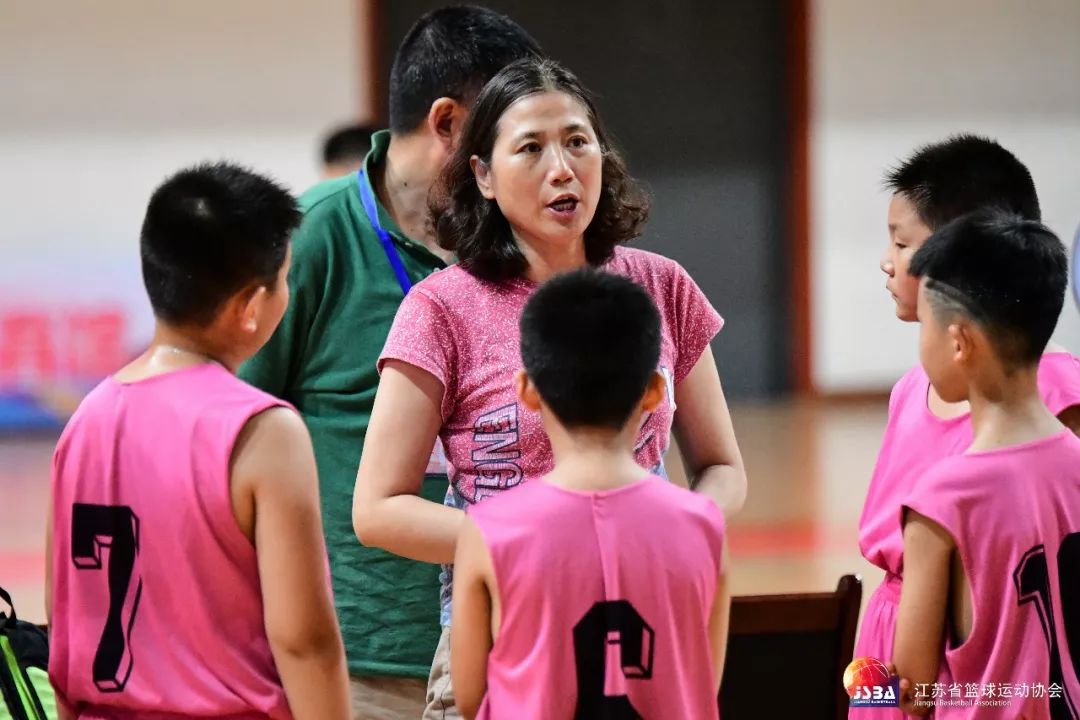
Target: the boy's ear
(964, 338)
(526, 391)
(251, 308)
(654, 392)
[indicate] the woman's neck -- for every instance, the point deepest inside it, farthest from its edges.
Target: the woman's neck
(548, 259)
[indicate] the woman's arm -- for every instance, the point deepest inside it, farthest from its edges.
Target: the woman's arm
(706, 437)
(387, 510)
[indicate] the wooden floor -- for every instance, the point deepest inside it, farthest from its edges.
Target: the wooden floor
(808, 463)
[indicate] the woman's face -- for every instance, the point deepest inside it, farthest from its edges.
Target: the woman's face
(546, 169)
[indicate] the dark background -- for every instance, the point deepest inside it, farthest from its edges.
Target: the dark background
(696, 95)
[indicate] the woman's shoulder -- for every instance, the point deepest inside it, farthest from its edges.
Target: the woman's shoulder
(636, 257)
(466, 298)
(643, 265)
(447, 284)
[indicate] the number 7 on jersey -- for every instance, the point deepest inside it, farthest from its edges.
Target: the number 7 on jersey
(93, 528)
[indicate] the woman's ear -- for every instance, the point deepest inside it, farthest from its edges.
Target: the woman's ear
(482, 173)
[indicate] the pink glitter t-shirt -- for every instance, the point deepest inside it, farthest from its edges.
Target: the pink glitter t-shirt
(464, 331)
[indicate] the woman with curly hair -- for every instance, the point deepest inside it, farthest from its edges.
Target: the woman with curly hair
(535, 188)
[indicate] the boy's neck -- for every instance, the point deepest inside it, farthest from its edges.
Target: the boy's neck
(1008, 410)
(173, 349)
(593, 460)
(947, 410)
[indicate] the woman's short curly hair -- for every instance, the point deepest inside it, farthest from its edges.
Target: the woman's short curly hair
(475, 229)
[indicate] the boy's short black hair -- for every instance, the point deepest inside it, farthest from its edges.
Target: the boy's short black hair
(590, 341)
(1004, 272)
(948, 179)
(451, 52)
(209, 232)
(347, 144)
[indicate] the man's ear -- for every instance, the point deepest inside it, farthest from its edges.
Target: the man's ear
(445, 119)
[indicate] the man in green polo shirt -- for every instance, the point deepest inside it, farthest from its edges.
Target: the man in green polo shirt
(363, 241)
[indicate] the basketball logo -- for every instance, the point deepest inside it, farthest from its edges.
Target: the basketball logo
(868, 683)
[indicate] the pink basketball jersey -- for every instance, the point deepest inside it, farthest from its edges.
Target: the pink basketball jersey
(1014, 514)
(916, 439)
(606, 598)
(157, 608)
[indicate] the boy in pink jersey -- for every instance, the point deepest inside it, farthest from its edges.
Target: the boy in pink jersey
(938, 183)
(548, 573)
(186, 570)
(992, 536)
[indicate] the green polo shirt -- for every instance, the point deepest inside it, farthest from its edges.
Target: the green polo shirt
(322, 360)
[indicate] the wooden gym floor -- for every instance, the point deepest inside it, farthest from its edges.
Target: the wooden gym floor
(808, 463)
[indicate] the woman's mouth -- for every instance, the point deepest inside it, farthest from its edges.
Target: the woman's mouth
(564, 206)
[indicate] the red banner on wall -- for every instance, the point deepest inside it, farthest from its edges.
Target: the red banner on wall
(49, 357)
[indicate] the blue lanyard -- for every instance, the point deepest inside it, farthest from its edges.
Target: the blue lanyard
(367, 199)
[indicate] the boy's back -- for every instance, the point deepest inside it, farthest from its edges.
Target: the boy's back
(170, 618)
(1014, 514)
(584, 576)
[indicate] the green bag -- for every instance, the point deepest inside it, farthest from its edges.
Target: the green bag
(24, 669)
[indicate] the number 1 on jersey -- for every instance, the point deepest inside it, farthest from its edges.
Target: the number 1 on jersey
(1032, 580)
